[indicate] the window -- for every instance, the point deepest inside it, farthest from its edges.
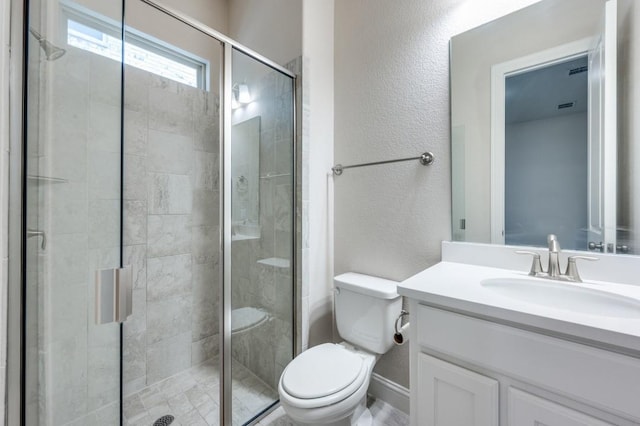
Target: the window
(140, 50)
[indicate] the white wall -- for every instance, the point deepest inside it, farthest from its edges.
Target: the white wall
(391, 101)
(213, 13)
(272, 28)
(317, 159)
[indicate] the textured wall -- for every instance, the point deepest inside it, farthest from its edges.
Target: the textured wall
(392, 100)
(273, 28)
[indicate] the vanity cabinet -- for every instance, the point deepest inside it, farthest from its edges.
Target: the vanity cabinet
(471, 371)
(451, 395)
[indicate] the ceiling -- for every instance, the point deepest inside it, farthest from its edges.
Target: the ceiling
(536, 94)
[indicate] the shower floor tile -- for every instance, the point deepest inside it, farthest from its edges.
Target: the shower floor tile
(192, 397)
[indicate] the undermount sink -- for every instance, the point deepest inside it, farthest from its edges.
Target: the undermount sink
(564, 296)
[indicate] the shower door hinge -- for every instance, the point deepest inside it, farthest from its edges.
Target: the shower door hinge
(114, 291)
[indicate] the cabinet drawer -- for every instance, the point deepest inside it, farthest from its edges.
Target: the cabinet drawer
(599, 378)
(529, 410)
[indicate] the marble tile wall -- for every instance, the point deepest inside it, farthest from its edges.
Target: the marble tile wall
(171, 227)
(171, 233)
(268, 348)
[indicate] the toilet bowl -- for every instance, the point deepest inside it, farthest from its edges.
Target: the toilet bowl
(327, 384)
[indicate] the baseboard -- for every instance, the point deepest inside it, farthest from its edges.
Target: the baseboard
(390, 392)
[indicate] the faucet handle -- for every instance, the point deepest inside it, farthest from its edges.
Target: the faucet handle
(536, 265)
(572, 268)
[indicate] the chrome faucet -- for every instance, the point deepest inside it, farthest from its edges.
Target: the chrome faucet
(36, 233)
(553, 271)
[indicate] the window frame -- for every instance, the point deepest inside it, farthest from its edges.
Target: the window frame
(83, 16)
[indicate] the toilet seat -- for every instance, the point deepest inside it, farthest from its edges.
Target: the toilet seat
(324, 375)
(324, 370)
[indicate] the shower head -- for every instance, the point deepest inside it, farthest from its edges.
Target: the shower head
(51, 51)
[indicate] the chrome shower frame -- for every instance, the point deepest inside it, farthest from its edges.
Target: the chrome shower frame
(16, 233)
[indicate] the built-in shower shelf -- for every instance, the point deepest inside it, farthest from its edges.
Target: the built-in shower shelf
(240, 237)
(45, 179)
(243, 319)
(278, 262)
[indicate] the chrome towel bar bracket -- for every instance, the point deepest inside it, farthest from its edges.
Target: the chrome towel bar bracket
(426, 159)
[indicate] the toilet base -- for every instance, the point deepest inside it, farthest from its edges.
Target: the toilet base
(361, 416)
(365, 419)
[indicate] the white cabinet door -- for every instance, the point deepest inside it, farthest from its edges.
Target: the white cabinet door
(449, 395)
(525, 409)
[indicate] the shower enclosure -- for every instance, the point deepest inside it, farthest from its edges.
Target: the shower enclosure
(159, 243)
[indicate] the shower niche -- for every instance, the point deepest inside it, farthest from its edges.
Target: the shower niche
(137, 158)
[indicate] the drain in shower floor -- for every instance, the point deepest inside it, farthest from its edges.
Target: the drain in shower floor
(164, 420)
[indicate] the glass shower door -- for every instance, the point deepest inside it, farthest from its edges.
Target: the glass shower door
(123, 160)
(73, 212)
(172, 216)
(262, 233)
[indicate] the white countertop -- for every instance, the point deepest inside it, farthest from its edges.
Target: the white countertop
(457, 286)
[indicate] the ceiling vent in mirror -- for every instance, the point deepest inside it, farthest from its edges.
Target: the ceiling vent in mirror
(566, 105)
(578, 70)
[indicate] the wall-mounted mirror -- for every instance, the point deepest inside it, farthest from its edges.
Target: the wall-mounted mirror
(540, 136)
(245, 179)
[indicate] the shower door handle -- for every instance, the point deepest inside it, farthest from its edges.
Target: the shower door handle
(114, 294)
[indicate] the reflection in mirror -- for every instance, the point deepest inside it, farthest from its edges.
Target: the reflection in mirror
(539, 131)
(535, 128)
(245, 178)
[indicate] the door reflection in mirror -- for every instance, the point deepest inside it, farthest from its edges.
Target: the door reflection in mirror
(546, 125)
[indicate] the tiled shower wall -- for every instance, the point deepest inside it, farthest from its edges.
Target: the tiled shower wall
(171, 226)
(256, 281)
(171, 235)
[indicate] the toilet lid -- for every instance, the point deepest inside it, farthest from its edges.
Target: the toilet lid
(320, 371)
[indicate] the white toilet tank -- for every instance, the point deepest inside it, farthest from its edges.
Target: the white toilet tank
(366, 310)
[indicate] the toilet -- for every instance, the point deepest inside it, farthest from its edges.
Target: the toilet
(327, 384)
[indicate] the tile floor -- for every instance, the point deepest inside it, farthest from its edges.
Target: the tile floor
(383, 415)
(192, 397)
